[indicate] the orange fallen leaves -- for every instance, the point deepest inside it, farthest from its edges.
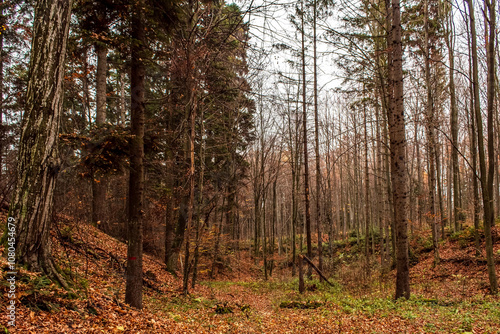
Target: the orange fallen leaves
(100, 307)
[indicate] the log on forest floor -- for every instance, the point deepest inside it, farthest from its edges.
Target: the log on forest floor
(301, 305)
(465, 260)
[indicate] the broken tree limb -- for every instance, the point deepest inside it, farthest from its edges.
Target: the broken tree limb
(316, 268)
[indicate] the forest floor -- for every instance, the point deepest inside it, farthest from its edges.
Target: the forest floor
(451, 297)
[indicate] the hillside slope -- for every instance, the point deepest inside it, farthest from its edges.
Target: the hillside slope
(449, 298)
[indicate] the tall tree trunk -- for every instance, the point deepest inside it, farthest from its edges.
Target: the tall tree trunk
(133, 290)
(257, 204)
(449, 187)
(356, 212)
(306, 155)
(170, 250)
(367, 195)
(431, 139)
(38, 161)
(377, 184)
(199, 201)
(294, 157)
(473, 150)
(273, 224)
(484, 178)
(389, 109)
(316, 146)
(390, 230)
(342, 205)
(192, 118)
(293, 201)
(218, 231)
(264, 233)
(419, 176)
(398, 157)
(475, 184)
(98, 181)
(190, 112)
(442, 212)
(489, 219)
(457, 201)
(258, 183)
(2, 132)
(330, 172)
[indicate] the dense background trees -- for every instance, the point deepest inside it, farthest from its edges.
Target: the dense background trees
(366, 120)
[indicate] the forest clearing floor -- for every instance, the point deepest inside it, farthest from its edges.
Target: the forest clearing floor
(449, 298)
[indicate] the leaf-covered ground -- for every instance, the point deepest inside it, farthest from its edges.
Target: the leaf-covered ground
(449, 298)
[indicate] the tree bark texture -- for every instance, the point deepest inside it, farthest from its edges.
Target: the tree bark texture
(489, 214)
(38, 160)
(398, 158)
(2, 132)
(457, 202)
(431, 139)
(306, 155)
(133, 291)
(316, 147)
(98, 181)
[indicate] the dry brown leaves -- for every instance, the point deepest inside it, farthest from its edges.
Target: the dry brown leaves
(96, 260)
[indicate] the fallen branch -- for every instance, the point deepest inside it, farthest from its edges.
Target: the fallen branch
(316, 268)
(111, 256)
(465, 260)
(301, 305)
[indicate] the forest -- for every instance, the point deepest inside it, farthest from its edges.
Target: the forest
(173, 166)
